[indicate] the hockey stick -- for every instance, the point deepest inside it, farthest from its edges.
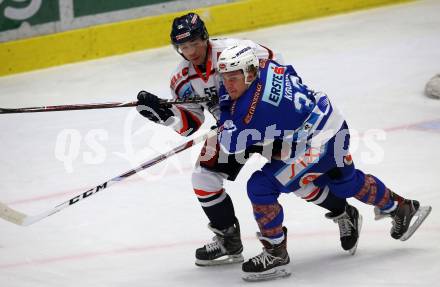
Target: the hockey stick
(20, 218)
(95, 106)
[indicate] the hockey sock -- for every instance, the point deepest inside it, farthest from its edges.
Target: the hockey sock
(222, 214)
(270, 219)
(374, 192)
(392, 204)
(334, 204)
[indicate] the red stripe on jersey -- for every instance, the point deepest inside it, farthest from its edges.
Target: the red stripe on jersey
(185, 124)
(195, 119)
(312, 194)
(184, 121)
(192, 77)
(208, 65)
(179, 86)
(200, 192)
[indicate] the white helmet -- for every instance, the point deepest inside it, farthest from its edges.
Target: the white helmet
(238, 57)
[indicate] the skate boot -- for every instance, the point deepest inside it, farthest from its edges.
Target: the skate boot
(403, 215)
(350, 225)
(226, 247)
(270, 264)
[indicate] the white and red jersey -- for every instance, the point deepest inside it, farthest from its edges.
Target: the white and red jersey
(188, 80)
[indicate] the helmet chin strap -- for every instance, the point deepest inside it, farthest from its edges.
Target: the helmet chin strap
(206, 51)
(246, 76)
(248, 83)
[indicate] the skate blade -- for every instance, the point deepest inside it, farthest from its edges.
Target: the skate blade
(224, 260)
(421, 215)
(352, 251)
(272, 274)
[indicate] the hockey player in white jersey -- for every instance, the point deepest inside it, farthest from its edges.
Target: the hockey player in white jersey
(196, 76)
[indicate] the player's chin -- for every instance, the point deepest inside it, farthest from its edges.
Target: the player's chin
(197, 61)
(233, 95)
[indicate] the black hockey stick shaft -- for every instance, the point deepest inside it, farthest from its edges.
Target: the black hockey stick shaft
(94, 106)
(20, 218)
(66, 108)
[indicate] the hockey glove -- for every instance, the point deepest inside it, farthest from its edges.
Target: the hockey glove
(213, 106)
(150, 107)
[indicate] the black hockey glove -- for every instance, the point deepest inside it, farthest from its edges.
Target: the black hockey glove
(213, 105)
(150, 107)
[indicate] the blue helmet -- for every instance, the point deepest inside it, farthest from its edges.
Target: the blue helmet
(186, 28)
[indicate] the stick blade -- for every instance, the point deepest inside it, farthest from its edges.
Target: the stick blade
(12, 215)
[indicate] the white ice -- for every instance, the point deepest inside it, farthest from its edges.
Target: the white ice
(144, 231)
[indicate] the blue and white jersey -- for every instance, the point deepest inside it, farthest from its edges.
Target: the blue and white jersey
(277, 106)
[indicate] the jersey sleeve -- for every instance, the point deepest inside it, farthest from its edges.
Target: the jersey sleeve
(187, 117)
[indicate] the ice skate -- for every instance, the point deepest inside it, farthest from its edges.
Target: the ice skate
(226, 248)
(350, 225)
(270, 264)
(407, 217)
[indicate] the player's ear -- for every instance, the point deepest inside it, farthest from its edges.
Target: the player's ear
(252, 75)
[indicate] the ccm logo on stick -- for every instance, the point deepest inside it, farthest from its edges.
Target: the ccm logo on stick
(87, 193)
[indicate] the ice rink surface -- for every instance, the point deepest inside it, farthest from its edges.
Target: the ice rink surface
(144, 231)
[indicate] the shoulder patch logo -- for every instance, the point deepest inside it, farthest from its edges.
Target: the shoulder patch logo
(178, 77)
(274, 86)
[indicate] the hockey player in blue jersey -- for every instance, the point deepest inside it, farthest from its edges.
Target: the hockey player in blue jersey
(265, 104)
(196, 76)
